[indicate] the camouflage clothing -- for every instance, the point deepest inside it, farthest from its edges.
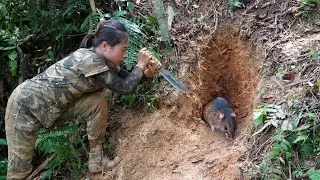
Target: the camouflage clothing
(68, 88)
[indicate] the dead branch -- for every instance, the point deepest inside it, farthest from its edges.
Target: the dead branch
(278, 83)
(301, 81)
(92, 5)
(41, 167)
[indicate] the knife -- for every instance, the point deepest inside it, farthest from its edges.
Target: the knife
(174, 82)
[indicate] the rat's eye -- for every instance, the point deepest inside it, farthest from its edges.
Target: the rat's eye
(225, 128)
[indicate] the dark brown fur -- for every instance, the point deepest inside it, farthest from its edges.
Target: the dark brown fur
(219, 115)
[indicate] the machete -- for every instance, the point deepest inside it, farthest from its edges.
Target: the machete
(170, 78)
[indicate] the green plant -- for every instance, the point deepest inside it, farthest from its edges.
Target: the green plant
(297, 173)
(108, 149)
(313, 174)
(152, 102)
(8, 46)
(268, 171)
(234, 4)
(3, 168)
(3, 162)
(62, 142)
(290, 146)
(135, 43)
(3, 141)
(314, 55)
(128, 99)
(269, 115)
(280, 72)
(308, 5)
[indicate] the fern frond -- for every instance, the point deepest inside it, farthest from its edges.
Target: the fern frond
(94, 17)
(49, 141)
(132, 27)
(118, 14)
(46, 175)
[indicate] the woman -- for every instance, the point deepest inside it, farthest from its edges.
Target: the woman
(71, 87)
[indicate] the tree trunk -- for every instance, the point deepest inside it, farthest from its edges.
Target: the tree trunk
(162, 20)
(93, 8)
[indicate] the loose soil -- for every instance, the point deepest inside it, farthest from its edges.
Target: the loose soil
(220, 53)
(234, 55)
(231, 55)
(173, 142)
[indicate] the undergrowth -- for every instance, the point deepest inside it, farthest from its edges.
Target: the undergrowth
(67, 147)
(295, 151)
(40, 36)
(3, 162)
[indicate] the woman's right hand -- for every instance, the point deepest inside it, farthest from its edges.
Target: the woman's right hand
(144, 57)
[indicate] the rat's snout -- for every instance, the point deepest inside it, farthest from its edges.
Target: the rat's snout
(229, 135)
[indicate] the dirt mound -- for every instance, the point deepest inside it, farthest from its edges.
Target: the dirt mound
(173, 142)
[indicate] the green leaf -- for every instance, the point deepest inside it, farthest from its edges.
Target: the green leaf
(303, 127)
(118, 14)
(297, 173)
(128, 99)
(315, 55)
(258, 117)
(200, 19)
(279, 137)
(287, 143)
(313, 174)
(130, 6)
(12, 42)
(132, 27)
(263, 127)
(317, 83)
(8, 48)
(3, 166)
(301, 137)
(3, 141)
(280, 72)
(275, 152)
(13, 55)
(13, 67)
(51, 55)
(238, 4)
(276, 171)
(284, 147)
(288, 155)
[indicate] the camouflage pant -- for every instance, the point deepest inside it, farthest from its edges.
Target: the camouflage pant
(22, 128)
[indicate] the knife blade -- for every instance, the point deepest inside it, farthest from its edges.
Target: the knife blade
(172, 80)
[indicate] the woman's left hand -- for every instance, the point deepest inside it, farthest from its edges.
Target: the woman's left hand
(152, 68)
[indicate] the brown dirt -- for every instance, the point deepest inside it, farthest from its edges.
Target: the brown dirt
(173, 142)
(221, 56)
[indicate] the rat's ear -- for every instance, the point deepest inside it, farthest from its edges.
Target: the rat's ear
(233, 114)
(220, 116)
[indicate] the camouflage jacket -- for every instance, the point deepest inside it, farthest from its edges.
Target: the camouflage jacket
(48, 94)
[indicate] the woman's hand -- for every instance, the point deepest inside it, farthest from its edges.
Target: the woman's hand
(152, 68)
(143, 58)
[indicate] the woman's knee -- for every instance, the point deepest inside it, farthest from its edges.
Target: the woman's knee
(95, 101)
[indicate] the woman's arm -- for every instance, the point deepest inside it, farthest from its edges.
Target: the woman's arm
(114, 82)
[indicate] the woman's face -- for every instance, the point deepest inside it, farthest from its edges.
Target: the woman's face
(115, 54)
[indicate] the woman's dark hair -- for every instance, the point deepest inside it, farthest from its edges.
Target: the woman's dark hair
(111, 31)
